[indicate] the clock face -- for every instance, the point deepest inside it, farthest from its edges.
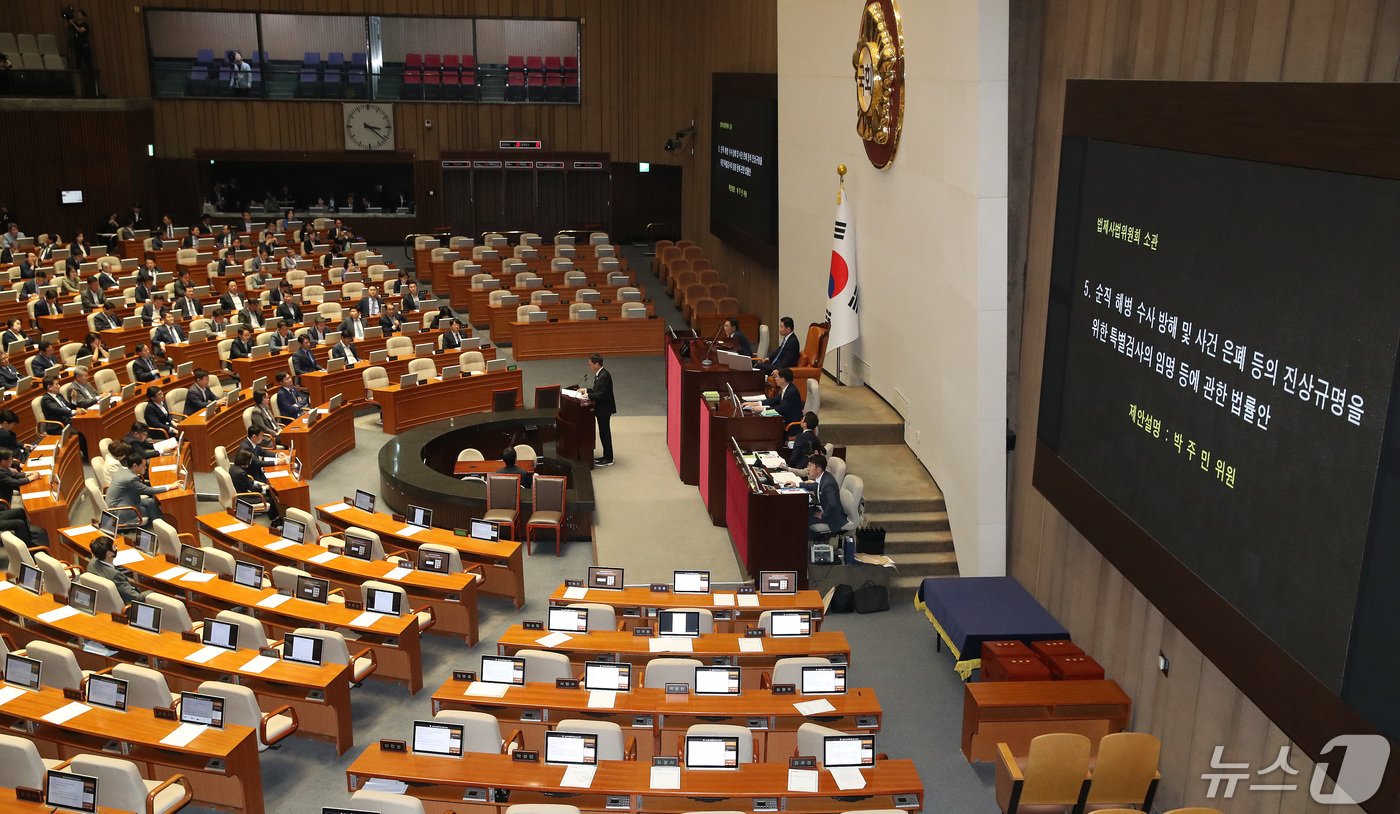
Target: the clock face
(368, 126)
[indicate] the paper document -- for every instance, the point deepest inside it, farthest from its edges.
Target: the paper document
(724, 600)
(771, 459)
(487, 689)
(278, 474)
(386, 786)
(279, 545)
(33, 462)
(258, 664)
(575, 593)
(272, 600)
(78, 531)
(166, 445)
(98, 648)
(8, 694)
(553, 640)
(665, 777)
(578, 777)
(786, 479)
(752, 399)
(232, 527)
(848, 778)
(67, 712)
(205, 654)
(396, 573)
(368, 618)
(44, 447)
(816, 707)
(173, 573)
(747, 645)
(165, 468)
(408, 531)
(183, 735)
(335, 507)
(748, 600)
(127, 556)
(324, 557)
(669, 644)
(602, 699)
(571, 393)
(57, 614)
(193, 576)
(6, 585)
(802, 780)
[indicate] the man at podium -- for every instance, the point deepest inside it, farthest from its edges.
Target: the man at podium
(604, 405)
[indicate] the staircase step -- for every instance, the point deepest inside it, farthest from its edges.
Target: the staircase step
(890, 504)
(904, 586)
(908, 521)
(900, 544)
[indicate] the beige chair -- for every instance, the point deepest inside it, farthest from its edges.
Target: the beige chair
(425, 368)
(383, 802)
(611, 744)
(576, 307)
(1054, 774)
(789, 670)
(503, 500)
(169, 540)
(120, 787)
(241, 709)
(109, 599)
(399, 346)
(1125, 770)
(470, 454)
(374, 376)
(332, 311)
(634, 310)
(313, 294)
(57, 576)
(376, 547)
(472, 361)
(744, 734)
(228, 496)
(451, 555)
(68, 353)
(812, 737)
(220, 563)
(335, 651)
(496, 296)
(353, 291)
(550, 499)
(481, 733)
(145, 688)
(575, 278)
(20, 764)
(544, 666)
(58, 666)
(523, 310)
(251, 633)
(426, 617)
(106, 382)
(600, 616)
(669, 670)
(174, 616)
(16, 552)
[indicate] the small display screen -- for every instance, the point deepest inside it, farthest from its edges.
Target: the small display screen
(608, 579)
(70, 792)
(704, 752)
(143, 617)
(691, 582)
(105, 691)
(248, 575)
(437, 739)
(378, 600)
(717, 680)
(503, 670)
(364, 501)
(313, 589)
(607, 675)
(848, 750)
(205, 710)
(790, 623)
(777, 582)
(220, 634)
(420, 517)
(22, 672)
(568, 620)
(818, 680)
(301, 649)
(571, 748)
(678, 623)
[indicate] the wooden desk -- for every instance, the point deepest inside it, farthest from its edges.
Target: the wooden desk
(719, 423)
(501, 563)
(767, 528)
(441, 783)
(477, 301)
(224, 429)
(404, 407)
(349, 382)
(657, 719)
(709, 325)
(249, 369)
(686, 379)
(320, 695)
(116, 420)
(709, 647)
(394, 640)
(575, 430)
(1014, 712)
(638, 605)
(289, 490)
(202, 354)
(502, 317)
(178, 505)
(236, 785)
(451, 596)
(612, 337)
(70, 327)
(46, 509)
(319, 443)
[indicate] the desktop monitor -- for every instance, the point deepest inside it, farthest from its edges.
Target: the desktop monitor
(105, 691)
(777, 582)
(378, 600)
(192, 557)
(30, 578)
(296, 468)
(243, 511)
(108, 523)
(220, 634)
(711, 752)
(434, 562)
(301, 649)
(678, 623)
(247, 574)
(503, 670)
(790, 623)
(848, 750)
(313, 589)
(70, 792)
(690, 582)
(419, 516)
(204, 710)
(717, 681)
(293, 530)
(570, 748)
(734, 397)
(568, 620)
(824, 680)
(608, 579)
(22, 671)
(83, 598)
(607, 675)
(364, 501)
(146, 541)
(143, 617)
(357, 547)
(488, 530)
(431, 738)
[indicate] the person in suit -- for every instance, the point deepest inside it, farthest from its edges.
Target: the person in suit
(226, 237)
(788, 403)
(281, 291)
(255, 444)
(29, 266)
(241, 471)
(391, 322)
(291, 258)
(263, 418)
(107, 319)
(9, 374)
(352, 327)
(144, 367)
(303, 360)
(345, 349)
(16, 520)
(55, 407)
(190, 240)
(288, 310)
(733, 334)
(79, 249)
(81, 393)
(828, 515)
(167, 227)
(604, 405)
(290, 401)
(31, 287)
(786, 353)
(46, 358)
(48, 306)
(139, 440)
(218, 322)
(232, 299)
(152, 312)
(104, 278)
(158, 413)
(806, 443)
(308, 240)
(8, 439)
(100, 564)
(242, 346)
(188, 304)
(14, 332)
(508, 458)
(409, 302)
(317, 331)
(183, 284)
(245, 223)
(282, 338)
(145, 278)
(452, 337)
(130, 489)
(371, 305)
(200, 395)
(251, 318)
(93, 352)
(168, 332)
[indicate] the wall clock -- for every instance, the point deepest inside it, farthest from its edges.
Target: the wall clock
(368, 126)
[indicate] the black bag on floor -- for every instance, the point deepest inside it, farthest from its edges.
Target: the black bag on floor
(870, 540)
(843, 600)
(872, 598)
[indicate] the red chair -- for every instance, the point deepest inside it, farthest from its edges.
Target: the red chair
(432, 85)
(451, 85)
(553, 65)
(412, 84)
(432, 62)
(413, 60)
(469, 87)
(534, 64)
(536, 87)
(451, 62)
(554, 87)
(515, 79)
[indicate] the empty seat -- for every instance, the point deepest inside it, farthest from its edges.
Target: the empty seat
(1053, 773)
(20, 763)
(120, 786)
(145, 688)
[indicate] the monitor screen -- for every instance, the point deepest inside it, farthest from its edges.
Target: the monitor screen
(436, 562)
(105, 691)
(488, 530)
(607, 675)
(568, 620)
(192, 557)
(420, 517)
(83, 598)
(243, 511)
(364, 501)
(691, 582)
(220, 634)
(777, 582)
(820, 680)
(205, 710)
(70, 196)
(503, 670)
(313, 589)
(301, 649)
(248, 574)
(571, 748)
(30, 578)
(790, 623)
(848, 750)
(357, 547)
(431, 738)
(293, 530)
(378, 600)
(22, 671)
(70, 792)
(608, 579)
(143, 617)
(296, 468)
(711, 752)
(678, 623)
(146, 541)
(717, 680)
(107, 524)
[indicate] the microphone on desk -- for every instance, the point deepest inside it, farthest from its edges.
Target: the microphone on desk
(710, 347)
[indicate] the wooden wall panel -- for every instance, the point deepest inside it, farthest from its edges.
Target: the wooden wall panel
(1195, 708)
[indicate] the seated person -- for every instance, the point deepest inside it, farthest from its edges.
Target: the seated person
(46, 358)
(806, 443)
(100, 563)
(788, 403)
(129, 491)
(16, 520)
(241, 468)
(81, 393)
(290, 401)
(14, 332)
(9, 374)
(139, 440)
(144, 365)
(828, 516)
(200, 395)
(282, 339)
(739, 342)
(158, 416)
(303, 360)
(787, 353)
(508, 458)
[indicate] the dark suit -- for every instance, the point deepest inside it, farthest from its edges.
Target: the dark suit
(30, 288)
(145, 369)
(277, 341)
(318, 335)
(391, 324)
(785, 355)
(189, 305)
(741, 343)
(105, 280)
(304, 362)
(56, 408)
(42, 363)
(832, 516)
(240, 349)
(9, 377)
(288, 403)
(802, 448)
(371, 307)
(290, 312)
(158, 418)
(47, 308)
(451, 340)
(408, 303)
(143, 448)
(10, 337)
(604, 405)
(148, 313)
(226, 302)
(198, 398)
(787, 403)
(345, 350)
(106, 321)
(168, 333)
(142, 292)
(526, 476)
(352, 328)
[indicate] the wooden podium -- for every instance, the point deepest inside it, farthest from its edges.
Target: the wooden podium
(575, 430)
(686, 379)
(720, 425)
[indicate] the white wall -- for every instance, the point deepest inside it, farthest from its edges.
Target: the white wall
(931, 246)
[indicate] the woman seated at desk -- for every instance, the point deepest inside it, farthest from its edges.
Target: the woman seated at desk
(14, 332)
(93, 352)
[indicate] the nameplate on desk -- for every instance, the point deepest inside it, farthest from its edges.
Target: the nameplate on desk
(189, 636)
(666, 762)
(525, 756)
(72, 694)
(464, 675)
(164, 713)
(270, 652)
(351, 604)
(461, 532)
(25, 795)
(398, 518)
(573, 583)
(533, 624)
(802, 762)
(660, 588)
(746, 589)
(566, 683)
(754, 633)
(784, 689)
(391, 745)
(643, 630)
(677, 688)
(119, 618)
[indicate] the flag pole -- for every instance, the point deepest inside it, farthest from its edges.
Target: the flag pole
(840, 189)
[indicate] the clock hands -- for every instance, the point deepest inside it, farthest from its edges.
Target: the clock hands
(372, 129)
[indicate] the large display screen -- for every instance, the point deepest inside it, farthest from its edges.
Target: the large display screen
(744, 162)
(1220, 360)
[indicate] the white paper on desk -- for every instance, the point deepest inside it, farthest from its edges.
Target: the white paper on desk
(665, 777)
(553, 640)
(368, 618)
(165, 468)
(278, 474)
(35, 462)
(43, 473)
(183, 735)
(786, 479)
(205, 654)
(44, 447)
(279, 545)
(578, 777)
(670, 644)
(173, 573)
(324, 557)
(396, 573)
(78, 531)
(408, 531)
(602, 699)
(8, 694)
(386, 786)
(127, 556)
(258, 664)
(575, 593)
(724, 600)
(847, 778)
(6, 585)
(571, 393)
(232, 527)
(802, 780)
(57, 614)
(335, 507)
(67, 712)
(747, 645)
(752, 399)
(272, 600)
(487, 689)
(816, 707)
(166, 445)
(197, 576)
(748, 600)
